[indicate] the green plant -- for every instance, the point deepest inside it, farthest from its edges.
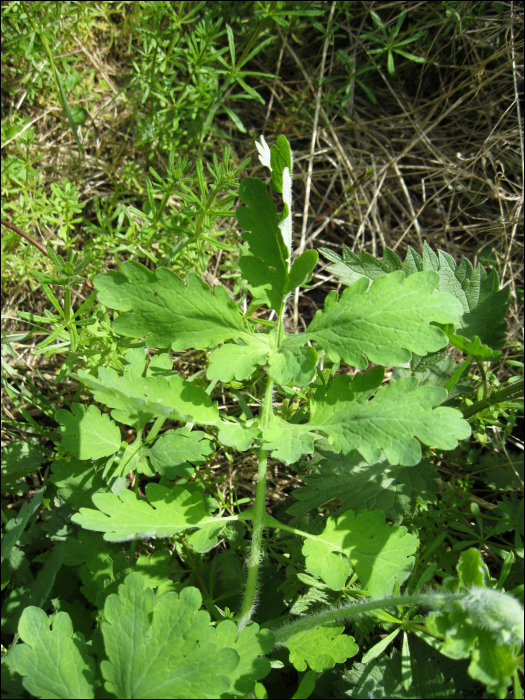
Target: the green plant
(147, 635)
(390, 44)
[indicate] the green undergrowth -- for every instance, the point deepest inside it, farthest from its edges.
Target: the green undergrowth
(235, 465)
(129, 574)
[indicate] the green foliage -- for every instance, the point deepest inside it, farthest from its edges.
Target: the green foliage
(143, 593)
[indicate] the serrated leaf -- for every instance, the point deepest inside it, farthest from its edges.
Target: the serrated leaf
(357, 486)
(474, 348)
(55, 663)
(172, 397)
(166, 512)
(168, 312)
(382, 324)
(321, 648)
(88, 433)
(76, 482)
(383, 678)
(170, 653)
(176, 452)
(380, 554)
(435, 370)
(485, 305)
(397, 415)
(251, 645)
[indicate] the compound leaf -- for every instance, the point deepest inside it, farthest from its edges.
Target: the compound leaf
(172, 397)
(88, 433)
(485, 305)
(321, 648)
(55, 663)
(166, 512)
(397, 415)
(170, 313)
(76, 482)
(176, 451)
(382, 324)
(380, 554)
(158, 647)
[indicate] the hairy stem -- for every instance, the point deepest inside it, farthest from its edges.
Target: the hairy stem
(351, 610)
(259, 516)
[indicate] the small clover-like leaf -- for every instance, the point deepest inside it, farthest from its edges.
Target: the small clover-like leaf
(88, 433)
(380, 554)
(321, 648)
(169, 654)
(166, 512)
(55, 663)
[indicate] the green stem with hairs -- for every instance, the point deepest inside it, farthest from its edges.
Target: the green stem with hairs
(259, 517)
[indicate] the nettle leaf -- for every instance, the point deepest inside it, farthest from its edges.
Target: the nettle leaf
(251, 644)
(266, 270)
(382, 324)
(172, 397)
(397, 415)
(357, 486)
(238, 361)
(76, 482)
(321, 648)
(159, 306)
(380, 554)
(485, 305)
(435, 370)
(88, 433)
(176, 452)
(55, 663)
(169, 653)
(165, 512)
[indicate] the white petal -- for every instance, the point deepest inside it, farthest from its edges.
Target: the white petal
(264, 153)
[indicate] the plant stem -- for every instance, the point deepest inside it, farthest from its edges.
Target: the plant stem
(259, 515)
(509, 392)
